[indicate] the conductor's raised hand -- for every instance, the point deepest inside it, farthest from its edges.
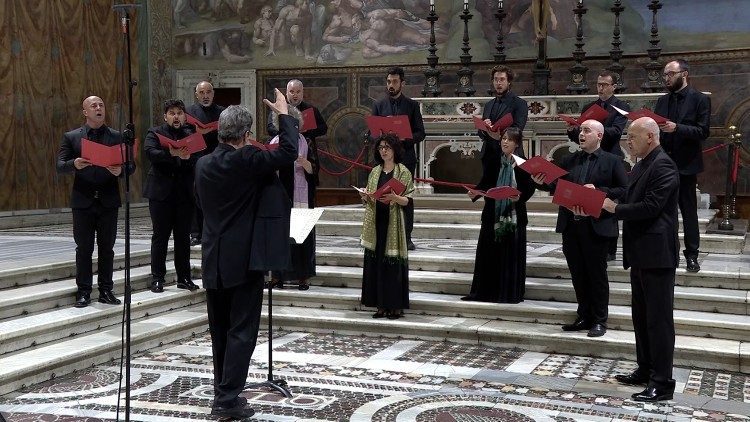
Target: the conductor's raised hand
(280, 106)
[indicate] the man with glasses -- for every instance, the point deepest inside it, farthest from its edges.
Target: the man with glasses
(614, 125)
(689, 112)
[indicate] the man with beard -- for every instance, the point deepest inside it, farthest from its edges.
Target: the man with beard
(295, 95)
(504, 102)
(205, 111)
(614, 125)
(688, 111)
(94, 202)
(398, 104)
(169, 189)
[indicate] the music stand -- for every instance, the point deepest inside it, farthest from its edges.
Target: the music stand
(301, 223)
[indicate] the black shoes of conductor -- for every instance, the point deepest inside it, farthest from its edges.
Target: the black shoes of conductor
(237, 410)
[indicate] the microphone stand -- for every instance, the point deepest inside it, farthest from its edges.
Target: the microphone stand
(128, 136)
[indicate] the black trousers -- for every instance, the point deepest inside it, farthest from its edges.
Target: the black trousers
(409, 208)
(688, 203)
(586, 254)
(233, 319)
(170, 217)
(653, 320)
(196, 229)
(97, 222)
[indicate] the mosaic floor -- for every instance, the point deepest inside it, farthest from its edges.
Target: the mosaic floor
(359, 378)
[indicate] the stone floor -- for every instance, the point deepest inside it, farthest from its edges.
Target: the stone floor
(337, 378)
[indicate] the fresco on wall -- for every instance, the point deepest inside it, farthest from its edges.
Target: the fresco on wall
(216, 34)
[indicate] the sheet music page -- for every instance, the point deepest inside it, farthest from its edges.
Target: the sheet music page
(302, 221)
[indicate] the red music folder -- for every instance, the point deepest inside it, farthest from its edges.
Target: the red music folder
(569, 194)
(644, 112)
(308, 120)
(399, 125)
(394, 185)
(595, 112)
(102, 155)
(500, 192)
(535, 165)
(194, 142)
(201, 127)
(264, 147)
(500, 125)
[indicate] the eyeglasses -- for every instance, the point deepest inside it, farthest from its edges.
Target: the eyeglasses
(384, 147)
(671, 74)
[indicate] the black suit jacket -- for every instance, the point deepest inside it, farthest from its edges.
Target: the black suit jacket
(410, 108)
(320, 130)
(607, 174)
(90, 182)
(206, 115)
(649, 214)
(685, 144)
(614, 125)
(169, 176)
(497, 108)
(245, 208)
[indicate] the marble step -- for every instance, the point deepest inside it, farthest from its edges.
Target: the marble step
(22, 276)
(442, 201)
(712, 243)
(53, 325)
(38, 364)
(730, 355)
(536, 266)
(721, 304)
(35, 298)
(448, 216)
(47, 217)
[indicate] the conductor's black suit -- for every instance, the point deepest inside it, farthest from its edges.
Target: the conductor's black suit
(246, 223)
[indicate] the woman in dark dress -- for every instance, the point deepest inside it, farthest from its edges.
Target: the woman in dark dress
(500, 263)
(385, 277)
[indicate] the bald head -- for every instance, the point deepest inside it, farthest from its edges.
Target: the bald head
(643, 137)
(295, 92)
(590, 136)
(93, 110)
(204, 93)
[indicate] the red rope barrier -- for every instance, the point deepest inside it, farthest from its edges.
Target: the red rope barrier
(353, 163)
(736, 165)
(714, 148)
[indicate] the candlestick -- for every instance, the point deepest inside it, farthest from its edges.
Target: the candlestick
(432, 2)
(466, 4)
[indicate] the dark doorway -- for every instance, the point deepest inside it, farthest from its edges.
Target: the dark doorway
(227, 96)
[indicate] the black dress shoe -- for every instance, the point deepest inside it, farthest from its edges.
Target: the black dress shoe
(651, 394)
(82, 300)
(187, 284)
(597, 330)
(411, 246)
(238, 410)
(157, 286)
(303, 285)
(580, 325)
(379, 314)
(195, 241)
(634, 378)
(106, 296)
(469, 298)
(692, 264)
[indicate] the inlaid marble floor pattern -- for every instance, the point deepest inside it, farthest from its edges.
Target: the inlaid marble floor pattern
(360, 378)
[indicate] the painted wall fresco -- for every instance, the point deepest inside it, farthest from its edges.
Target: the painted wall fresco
(217, 34)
